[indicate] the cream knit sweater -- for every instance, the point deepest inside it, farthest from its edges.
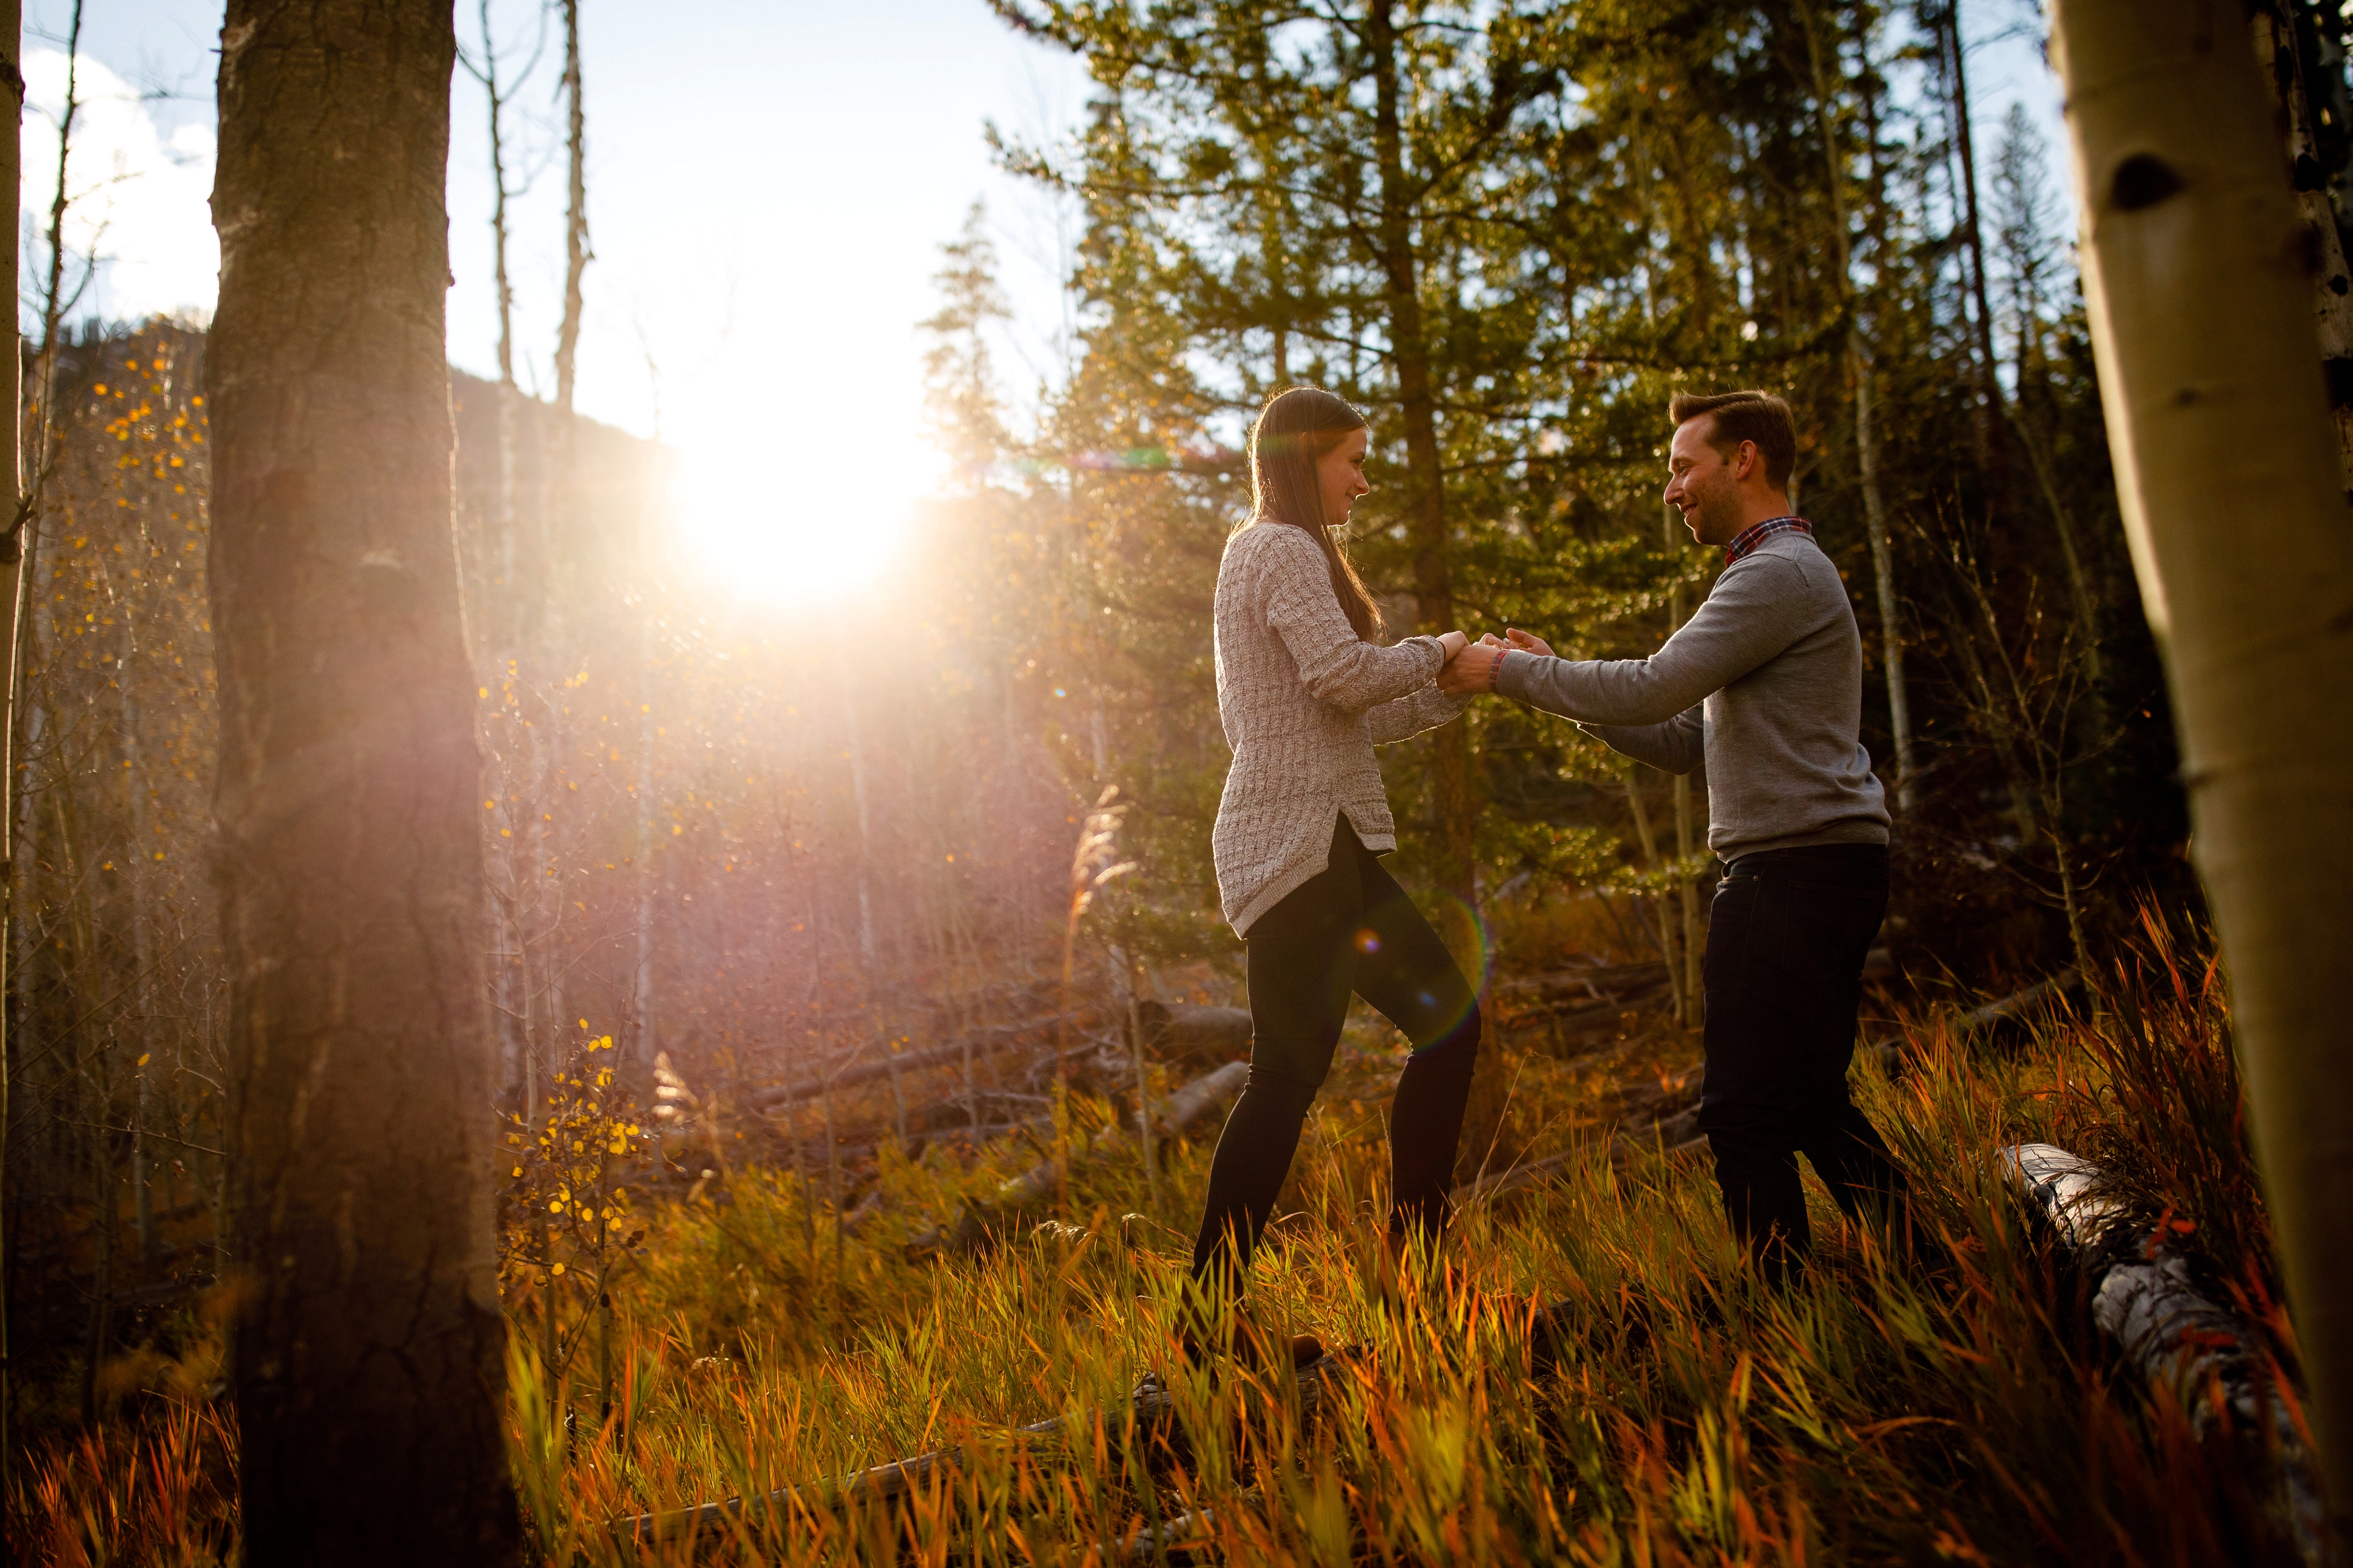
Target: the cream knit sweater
(1305, 700)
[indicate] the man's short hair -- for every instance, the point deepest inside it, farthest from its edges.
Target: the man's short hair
(1752, 415)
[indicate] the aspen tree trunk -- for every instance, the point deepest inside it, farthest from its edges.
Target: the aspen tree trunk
(367, 1353)
(501, 629)
(1866, 432)
(642, 1009)
(575, 216)
(2195, 273)
(11, 582)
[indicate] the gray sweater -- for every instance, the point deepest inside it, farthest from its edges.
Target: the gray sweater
(1304, 700)
(1763, 688)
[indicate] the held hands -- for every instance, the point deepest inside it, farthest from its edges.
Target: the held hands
(1472, 667)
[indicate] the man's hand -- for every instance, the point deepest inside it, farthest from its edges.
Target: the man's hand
(1528, 642)
(1473, 669)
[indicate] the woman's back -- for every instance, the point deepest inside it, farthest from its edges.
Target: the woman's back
(1294, 685)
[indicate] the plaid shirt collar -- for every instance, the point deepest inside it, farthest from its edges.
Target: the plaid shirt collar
(1751, 538)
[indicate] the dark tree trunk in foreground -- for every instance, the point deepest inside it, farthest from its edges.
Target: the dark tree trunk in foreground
(368, 1345)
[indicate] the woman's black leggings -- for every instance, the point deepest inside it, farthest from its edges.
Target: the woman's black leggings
(1351, 929)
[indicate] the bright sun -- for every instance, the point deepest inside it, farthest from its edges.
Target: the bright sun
(797, 526)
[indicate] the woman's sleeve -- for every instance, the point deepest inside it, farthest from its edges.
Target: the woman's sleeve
(1340, 669)
(1408, 716)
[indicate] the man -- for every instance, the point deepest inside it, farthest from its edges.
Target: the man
(1763, 689)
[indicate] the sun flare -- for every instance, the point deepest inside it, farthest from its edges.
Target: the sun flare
(810, 526)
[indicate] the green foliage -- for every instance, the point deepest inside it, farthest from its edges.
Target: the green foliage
(1510, 237)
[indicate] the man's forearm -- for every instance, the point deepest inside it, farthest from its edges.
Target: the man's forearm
(1614, 691)
(1751, 615)
(1677, 746)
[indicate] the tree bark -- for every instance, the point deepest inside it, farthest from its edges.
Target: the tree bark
(12, 562)
(2282, 70)
(1990, 435)
(1453, 782)
(368, 1350)
(2199, 298)
(2148, 1299)
(1866, 433)
(575, 217)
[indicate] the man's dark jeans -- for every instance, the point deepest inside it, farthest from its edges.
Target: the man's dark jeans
(1786, 939)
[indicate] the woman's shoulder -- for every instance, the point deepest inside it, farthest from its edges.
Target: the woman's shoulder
(1262, 540)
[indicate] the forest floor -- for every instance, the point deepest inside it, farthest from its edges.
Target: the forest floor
(1596, 1380)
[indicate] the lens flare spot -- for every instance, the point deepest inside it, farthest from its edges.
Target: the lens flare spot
(1368, 941)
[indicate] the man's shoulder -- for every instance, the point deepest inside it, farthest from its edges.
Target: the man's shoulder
(1787, 560)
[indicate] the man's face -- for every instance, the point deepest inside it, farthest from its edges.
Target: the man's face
(1702, 483)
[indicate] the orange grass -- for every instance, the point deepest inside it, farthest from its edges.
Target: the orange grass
(1875, 1415)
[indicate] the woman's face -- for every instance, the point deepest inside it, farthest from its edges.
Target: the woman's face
(1340, 476)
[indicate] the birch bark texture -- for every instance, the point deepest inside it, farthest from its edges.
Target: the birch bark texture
(2196, 275)
(368, 1351)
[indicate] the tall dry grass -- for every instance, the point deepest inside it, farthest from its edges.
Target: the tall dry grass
(1963, 1410)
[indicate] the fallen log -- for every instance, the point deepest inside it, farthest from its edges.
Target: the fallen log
(1171, 1115)
(1184, 1032)
(1606, 983)
(1186, 1104)
(2146, 1299)
(1002, 1037)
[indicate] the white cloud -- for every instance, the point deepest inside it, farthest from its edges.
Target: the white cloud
(137, 196)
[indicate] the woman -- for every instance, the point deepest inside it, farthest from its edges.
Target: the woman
(1305, 693)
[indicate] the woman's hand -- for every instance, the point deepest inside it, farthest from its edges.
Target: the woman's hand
(1454, 643)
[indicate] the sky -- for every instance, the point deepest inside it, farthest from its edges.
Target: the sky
(769, 183)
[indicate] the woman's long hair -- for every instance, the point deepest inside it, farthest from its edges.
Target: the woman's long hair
(1295, 430)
